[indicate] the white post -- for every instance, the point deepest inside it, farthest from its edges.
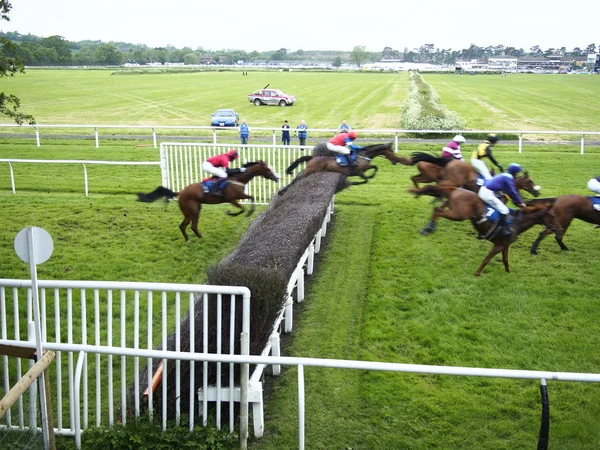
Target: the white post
(154, 137)
(38, 333)
(96, 133)
(520, 143)
(214, 135)
(37, 136)
(85, 180)
(274, 138)
(301, 406)
(582, 143)
(12, 178)
(396, 142)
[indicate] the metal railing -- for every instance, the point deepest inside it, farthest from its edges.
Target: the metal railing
(217, 134)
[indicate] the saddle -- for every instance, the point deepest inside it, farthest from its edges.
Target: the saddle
(214, 185)
(595, 203)
(493, 216)
(343, 161)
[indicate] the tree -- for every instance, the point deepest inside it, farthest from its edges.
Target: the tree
(337, 61)
(359, 55)
(108, 54)
(10, 63)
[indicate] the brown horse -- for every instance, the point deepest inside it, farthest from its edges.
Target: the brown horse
(566, 208)
(317, 164)
(446, 171)
(464, 204)
(522, 183)
(193, 196)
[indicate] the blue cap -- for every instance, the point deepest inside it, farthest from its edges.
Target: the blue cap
(514, 168)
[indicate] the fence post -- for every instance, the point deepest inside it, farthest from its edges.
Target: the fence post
(154, 137)
(274, 138)
(301, 406)
(520, 143)
(12, 177)
(582, 143)
(37, 136)
(85, 179)
(396, 142)
(96, 133)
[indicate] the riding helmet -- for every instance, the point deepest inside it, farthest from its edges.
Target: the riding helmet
(514, 168)
(492, 138)
(459, 138)
(352, 134)
(232, 154)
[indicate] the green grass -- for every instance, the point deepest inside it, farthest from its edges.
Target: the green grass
(521, 101)
(381, 291)
(392, 295)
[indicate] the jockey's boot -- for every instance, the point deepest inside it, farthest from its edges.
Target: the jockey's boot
(507, 230)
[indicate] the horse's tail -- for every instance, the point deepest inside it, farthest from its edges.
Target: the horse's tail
(157, 193)
(296, 163)
(426, 157)
(433, 190)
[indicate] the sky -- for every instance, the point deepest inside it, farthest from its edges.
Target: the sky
(264, 25)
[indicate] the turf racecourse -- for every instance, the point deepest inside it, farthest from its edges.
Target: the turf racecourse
(381, 292)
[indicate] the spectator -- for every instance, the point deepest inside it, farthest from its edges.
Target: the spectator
(285, 133)
(344, 127)
(244, 132)
(301, 130)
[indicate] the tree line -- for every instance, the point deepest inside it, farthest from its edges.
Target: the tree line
(57, 51)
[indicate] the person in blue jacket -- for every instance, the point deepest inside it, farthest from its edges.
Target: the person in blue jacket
(301, 131)
(244, 132)
(504, 182)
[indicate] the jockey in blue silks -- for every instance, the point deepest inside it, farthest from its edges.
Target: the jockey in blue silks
(505, 182)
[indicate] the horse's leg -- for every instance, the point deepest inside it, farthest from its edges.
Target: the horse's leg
(183, 226)
(375, 169)
(432, 225)
(558, 235)
(505, 257)
(497, 248)
(195, 223)
(536, 244)
(365, 180)
(415, 179)
(235, 203)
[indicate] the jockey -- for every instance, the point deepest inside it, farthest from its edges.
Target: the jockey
(594, 185)
(341, 142)
(452, 148)
(216, 165)
(484, 150)
(504, 182)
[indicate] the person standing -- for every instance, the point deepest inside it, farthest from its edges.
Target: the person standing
(285, 133)
(301, 130)
(244, 132)
(484, 150)
(344, 127)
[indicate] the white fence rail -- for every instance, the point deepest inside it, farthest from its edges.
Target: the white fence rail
(87, 394)
(118, 317)
(220, 135)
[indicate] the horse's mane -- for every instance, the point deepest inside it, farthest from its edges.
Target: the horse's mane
(427, 157)
(248, 164)
(549, 200)
(375, 148)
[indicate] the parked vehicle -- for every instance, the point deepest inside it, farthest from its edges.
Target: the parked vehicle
(266, 96)
(224, 118)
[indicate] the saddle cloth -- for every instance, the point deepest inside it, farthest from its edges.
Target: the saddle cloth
(494, 216)
(480, 180)
(212, 183)
(595, 203)
(342, 161)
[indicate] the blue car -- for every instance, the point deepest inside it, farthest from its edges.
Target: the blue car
(224, 118)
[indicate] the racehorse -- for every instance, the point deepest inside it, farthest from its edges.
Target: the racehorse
(193, 196)
(522, 183)
(317, 164)
(428, 171)
(566, 208)
(464, 204)
(450, 172)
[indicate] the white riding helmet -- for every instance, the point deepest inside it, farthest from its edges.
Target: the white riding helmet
(459, 138)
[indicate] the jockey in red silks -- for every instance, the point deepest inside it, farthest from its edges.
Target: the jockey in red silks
(216, 165)
(452, 148)
(341, 142)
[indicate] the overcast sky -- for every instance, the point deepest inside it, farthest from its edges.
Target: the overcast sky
(313, 24)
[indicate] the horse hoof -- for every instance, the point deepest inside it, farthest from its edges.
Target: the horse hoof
(426, 231)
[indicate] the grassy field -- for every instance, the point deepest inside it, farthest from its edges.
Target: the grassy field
(381, 291)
